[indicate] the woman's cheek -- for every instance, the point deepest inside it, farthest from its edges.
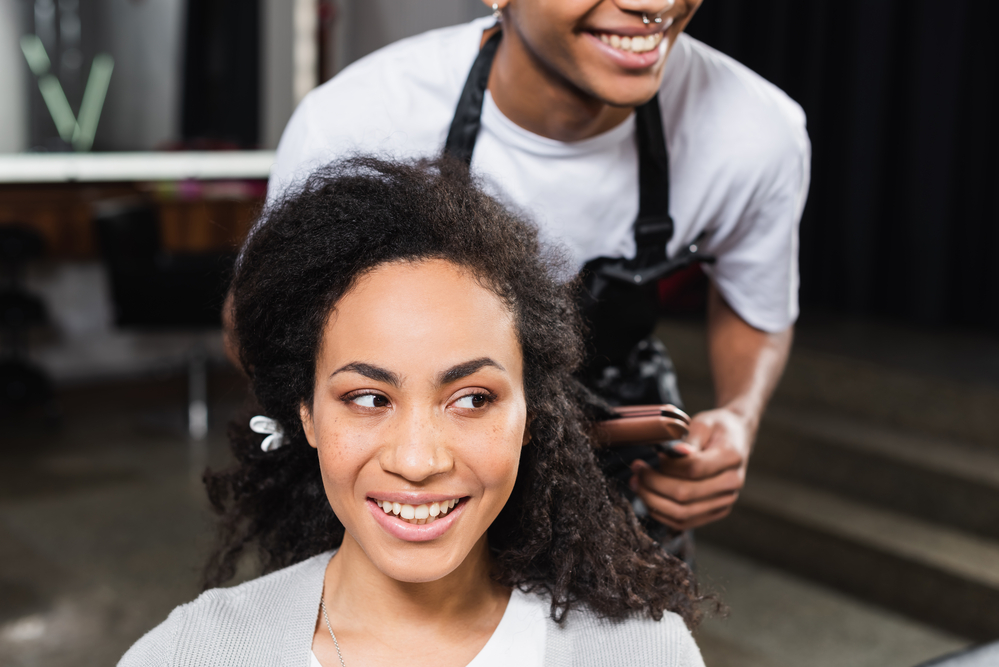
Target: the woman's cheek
(502, 457)
(340, 459)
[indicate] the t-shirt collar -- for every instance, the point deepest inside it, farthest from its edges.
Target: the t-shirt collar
(514, 135)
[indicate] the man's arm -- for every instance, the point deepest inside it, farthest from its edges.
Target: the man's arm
(746, 364)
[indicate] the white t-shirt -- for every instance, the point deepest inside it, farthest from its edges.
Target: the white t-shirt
(519, 639)
(739, 158)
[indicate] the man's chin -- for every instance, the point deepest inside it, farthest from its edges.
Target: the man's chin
(630, 98)
(626, 91)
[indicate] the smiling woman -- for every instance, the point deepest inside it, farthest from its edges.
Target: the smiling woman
(433, 494)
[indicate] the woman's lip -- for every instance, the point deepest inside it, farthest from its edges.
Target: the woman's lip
(630, 60)
(410, 532)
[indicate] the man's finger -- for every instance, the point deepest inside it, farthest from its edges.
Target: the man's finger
(701, 464)
(685, 517)
(696, 522)
(685, 491)
(698, 434)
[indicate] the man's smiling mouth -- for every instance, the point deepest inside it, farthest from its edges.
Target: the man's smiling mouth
(634, 43)
(418, 514)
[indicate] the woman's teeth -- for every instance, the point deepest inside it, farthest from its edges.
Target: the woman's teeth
(418, 514)
(636, 44)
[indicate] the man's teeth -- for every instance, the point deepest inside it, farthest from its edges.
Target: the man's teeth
(418, 514)
(636, 44)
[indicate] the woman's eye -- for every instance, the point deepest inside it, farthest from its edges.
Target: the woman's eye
(472, 401)
(370, 401)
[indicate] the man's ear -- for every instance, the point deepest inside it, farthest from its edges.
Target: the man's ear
(305, 414)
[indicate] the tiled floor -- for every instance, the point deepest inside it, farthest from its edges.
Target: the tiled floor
(103, 529)
(104, 526)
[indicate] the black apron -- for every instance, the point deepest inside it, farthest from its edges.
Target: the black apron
(626, 364)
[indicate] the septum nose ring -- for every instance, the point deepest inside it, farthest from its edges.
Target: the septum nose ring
(658, 18)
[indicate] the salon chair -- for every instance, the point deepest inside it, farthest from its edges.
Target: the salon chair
(154, 290)
(23, 384)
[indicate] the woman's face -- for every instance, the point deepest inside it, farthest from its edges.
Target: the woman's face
(419, 403)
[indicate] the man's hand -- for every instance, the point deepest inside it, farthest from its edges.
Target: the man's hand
(702, 486)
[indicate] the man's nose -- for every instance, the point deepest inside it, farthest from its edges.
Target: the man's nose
(651, 7)
(417, 448)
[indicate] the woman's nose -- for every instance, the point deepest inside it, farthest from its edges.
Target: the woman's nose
(417, 449)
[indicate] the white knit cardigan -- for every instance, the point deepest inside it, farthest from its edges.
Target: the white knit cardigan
(270, 621)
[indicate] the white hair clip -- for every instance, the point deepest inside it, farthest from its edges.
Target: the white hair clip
(275, 437)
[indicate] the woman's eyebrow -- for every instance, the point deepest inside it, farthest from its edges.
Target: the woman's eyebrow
(465, 369)
(372, 372)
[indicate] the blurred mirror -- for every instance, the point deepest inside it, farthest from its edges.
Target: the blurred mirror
(147, 75)
(80, 75)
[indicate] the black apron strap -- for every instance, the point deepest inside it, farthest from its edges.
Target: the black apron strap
(465, 125)
(654, 226)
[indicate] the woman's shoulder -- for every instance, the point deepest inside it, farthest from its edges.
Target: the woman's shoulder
(586, 638)
(259, 622)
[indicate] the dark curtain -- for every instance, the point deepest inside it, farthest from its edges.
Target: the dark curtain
(902, 108)
(221, 103)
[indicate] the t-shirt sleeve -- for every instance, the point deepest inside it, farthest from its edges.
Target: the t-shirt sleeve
(757, 249)
(340, 118)
(158, 646)
(396, 103)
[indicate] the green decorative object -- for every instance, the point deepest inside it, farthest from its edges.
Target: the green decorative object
(78, 131)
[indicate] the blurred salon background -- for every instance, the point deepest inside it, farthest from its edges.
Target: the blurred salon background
(136, 137)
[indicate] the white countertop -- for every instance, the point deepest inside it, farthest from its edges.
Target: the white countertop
(163, 166)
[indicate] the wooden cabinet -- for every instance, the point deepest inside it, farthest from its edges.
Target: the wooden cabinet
(194, 215)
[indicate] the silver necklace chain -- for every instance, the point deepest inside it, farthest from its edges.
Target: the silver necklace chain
(329, 627)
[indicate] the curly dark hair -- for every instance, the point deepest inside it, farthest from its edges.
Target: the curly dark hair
(563, 530)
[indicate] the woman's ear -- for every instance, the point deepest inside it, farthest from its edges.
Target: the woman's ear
(305, 414)
(527, 430)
